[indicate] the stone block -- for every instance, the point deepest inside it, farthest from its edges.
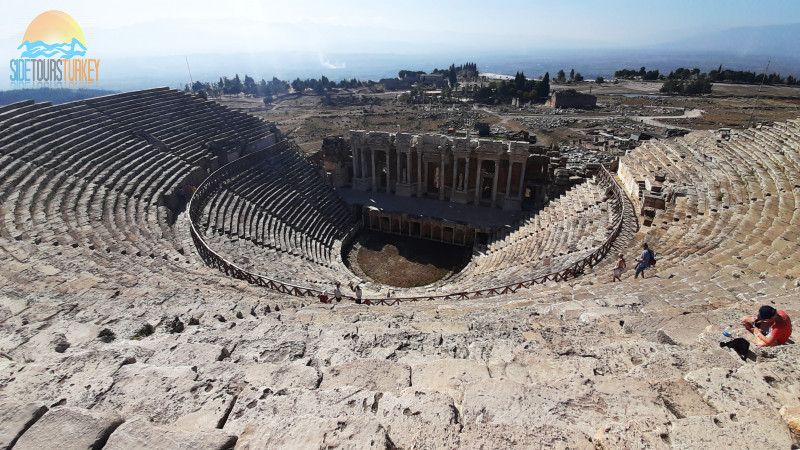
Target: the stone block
(449, 375)
(139, 434)
(69, 428)
(372, 374)
(317, 432)
(16, 418)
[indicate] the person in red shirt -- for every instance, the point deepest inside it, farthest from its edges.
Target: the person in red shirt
(770, 327)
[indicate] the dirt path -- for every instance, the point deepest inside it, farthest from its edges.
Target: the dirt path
(654, 120)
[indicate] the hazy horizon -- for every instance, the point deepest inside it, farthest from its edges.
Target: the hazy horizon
(145, 43)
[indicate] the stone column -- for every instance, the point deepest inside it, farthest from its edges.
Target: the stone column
(374, 175)
(356, 164)
(419, 173)
(388, 169)
(520, 193)
(508, 178)
(388, 173)
(455, 173)
(399, 171)
(494, 181)
(425, 177)
(363, 163)
(478, 183)
(408, 167)
(441, 175)
(466, 174)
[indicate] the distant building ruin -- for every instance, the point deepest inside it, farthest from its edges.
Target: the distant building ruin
(505, 174)
(462, 170)
(436, 80)
(571, 98)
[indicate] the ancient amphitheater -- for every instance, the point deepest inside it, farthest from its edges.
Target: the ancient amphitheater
(131, 319)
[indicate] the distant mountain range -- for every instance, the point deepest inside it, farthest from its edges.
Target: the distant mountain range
(744, 48)
(766, 41)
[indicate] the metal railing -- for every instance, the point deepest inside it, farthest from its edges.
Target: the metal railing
(203, 193)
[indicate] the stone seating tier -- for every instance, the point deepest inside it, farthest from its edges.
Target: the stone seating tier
(280, 205)
(611, 365)
(738, 203)
(74, 177)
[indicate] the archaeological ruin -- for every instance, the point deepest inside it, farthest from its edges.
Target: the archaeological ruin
(164, 258)
(435, 165)
(570, 98)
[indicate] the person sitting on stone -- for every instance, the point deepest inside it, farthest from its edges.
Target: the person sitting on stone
(770, 327)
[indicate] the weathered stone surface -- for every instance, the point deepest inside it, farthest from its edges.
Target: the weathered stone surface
(72, 427)
(420, 418)
(791, 415)
(165, 394)
(448, 375)
(80, 376)
(316, 432)
(727, 428)
(139, 434)
(15, 418)
(372, 374)
(282, 375)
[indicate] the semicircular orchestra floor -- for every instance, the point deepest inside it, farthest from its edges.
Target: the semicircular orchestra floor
(403, 261)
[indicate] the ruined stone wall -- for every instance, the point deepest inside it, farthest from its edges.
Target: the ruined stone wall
(571, 99)
(421, 227)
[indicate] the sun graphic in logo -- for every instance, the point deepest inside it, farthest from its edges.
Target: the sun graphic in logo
(53, 33)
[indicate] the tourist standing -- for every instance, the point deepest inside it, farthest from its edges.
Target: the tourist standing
(619, 268)
(644, 261)
(358, 294)
(337, 293)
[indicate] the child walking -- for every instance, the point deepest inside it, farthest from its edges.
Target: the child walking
(619, 268)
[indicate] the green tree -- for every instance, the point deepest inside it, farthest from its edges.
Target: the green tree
(452, 74)
(651, 75)
(561, 75)
(519, 80)
(249, 84)
(671, 86)
(237, 84)
(599, 80)
(298, 86)
(571, 74)
(234, 86)
(543, 87)
(578, 77)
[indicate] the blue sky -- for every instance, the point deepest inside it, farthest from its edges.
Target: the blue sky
(149, 27)
(143, 42)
